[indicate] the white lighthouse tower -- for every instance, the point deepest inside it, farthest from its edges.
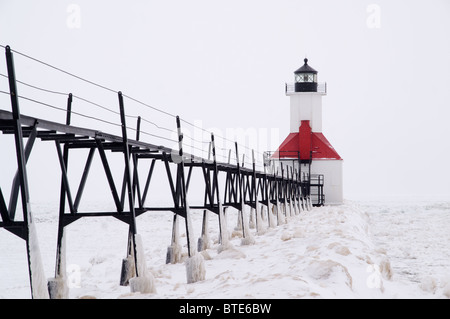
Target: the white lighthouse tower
(306, 148)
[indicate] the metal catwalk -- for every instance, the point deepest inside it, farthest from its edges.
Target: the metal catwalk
(266, 190)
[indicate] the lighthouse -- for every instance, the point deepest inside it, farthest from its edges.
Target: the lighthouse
(306, 149)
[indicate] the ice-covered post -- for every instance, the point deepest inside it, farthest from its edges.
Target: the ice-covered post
(287, 193)
(282, 192)
(255, 193)
(36, 273)
(173, 255)
(223, 231)
(277, 196)
(203, 241)
(294, 185)
(129, 264)
(287, 208)
(183, 188)
(293, 197)
(266, 163)
(195, 264)
(247, 238)
(174, 250)
(297, 193)
(291, 192)
(240, 219)
(143, 281)
(294, 191)
(57, 286)
(239, 185)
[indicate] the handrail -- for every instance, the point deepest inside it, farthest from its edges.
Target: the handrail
(321, 88)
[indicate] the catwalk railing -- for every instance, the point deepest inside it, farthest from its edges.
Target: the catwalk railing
(230, 181)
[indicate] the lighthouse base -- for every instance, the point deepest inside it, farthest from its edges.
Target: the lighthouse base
(317, 158)
(332, 183)
(325, 178)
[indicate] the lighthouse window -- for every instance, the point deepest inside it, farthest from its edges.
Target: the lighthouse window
(305, 77)
(299, 78)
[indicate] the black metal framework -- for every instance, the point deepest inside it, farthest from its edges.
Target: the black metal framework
(274, 190)
(316, 186)
(311, 184)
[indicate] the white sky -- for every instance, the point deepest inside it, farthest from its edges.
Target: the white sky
(225, 63)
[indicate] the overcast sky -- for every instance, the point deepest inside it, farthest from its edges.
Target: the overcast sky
(223, 65)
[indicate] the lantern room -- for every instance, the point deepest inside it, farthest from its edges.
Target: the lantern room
(305, 78)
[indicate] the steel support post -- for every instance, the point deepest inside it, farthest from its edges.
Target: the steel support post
(129, 185)
(182, 183)
(21, 160)
(240, 186)
(59, 267)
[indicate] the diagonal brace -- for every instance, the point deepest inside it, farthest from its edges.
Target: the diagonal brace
(16, 183)
(64, 176)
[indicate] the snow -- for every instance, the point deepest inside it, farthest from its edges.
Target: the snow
(195, 268)
(57, 286)
(362, 249)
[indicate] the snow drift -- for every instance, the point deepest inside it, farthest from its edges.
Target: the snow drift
(356, 250)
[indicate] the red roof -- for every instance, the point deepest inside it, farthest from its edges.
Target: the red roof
(309, 144)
